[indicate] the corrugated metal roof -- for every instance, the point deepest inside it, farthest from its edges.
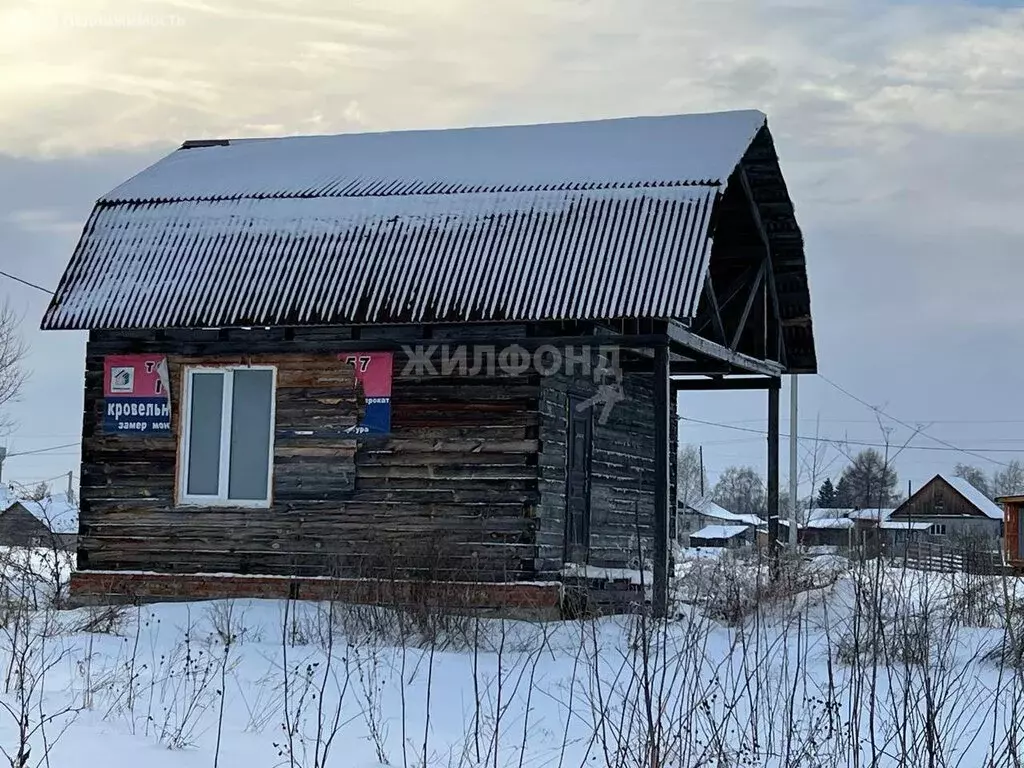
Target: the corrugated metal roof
(576, 221)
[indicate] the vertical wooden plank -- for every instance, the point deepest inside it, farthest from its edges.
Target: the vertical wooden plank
(659, 554)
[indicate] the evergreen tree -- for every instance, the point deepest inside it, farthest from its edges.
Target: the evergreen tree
(841, 498)
(826, 495)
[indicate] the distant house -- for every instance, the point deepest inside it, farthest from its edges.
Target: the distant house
(831, 531)
(869, 530)
(48, 522)
(952, 507)
(822, 527)
(728, 536)
(704, 512)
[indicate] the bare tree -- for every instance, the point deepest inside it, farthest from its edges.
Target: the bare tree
(691, 479)
(12, 354)
(974, 476)
(740, 490)
(1009, 480)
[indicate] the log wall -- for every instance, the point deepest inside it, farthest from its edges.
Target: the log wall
(622, 473)
(450, 493)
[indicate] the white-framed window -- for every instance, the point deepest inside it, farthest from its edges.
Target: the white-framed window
(227, 436)
(939, 529)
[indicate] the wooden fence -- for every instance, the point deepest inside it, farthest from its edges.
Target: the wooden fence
(946, 557)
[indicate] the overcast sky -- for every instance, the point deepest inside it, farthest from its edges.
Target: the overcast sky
(898, 125)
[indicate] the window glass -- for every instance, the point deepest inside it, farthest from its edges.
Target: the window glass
(205, 410)
(251, 404)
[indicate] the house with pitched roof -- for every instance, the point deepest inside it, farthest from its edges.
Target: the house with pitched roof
(953, 508)
(49, 521)
(420, 357)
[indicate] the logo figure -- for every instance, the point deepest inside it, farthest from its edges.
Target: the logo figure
(608, 392)
(122, 379)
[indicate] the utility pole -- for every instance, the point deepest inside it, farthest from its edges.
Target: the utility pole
(793, 424)
(700, 450)
(3, 455)
(71, 492)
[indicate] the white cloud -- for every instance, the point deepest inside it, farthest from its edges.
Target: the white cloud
(81, 75)
(45, 220)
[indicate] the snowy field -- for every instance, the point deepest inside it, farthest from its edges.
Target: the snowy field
(835, 665)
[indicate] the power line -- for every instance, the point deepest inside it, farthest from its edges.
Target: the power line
(905, 425)
(859, 443)
(61, 476)
(41, 450)
(815, 419)
(26, 282)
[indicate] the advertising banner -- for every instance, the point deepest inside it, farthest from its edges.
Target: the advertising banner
(373, 371)
(136, 395)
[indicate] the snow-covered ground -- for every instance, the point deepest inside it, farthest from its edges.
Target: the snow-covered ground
(889, 664)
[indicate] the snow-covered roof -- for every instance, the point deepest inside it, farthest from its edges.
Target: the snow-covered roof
(984, 504)
(720, 531)
(55, 511)
(903, 525)
(870, 514)
(633, 151)
(830, 522)
(827, 513)
(569, 221)
(708, 508)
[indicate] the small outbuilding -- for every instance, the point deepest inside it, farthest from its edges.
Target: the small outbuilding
(723, 536)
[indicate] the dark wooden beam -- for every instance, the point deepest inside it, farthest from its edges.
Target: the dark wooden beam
(716, 310)
(735, 288)
(709, 350)
(662, 509)
(625, 341)
(742, 324)
(721, 383)
(770, 277)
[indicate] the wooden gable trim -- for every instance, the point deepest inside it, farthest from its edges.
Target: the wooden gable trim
(908, 502)
(971, 504)
(899, 512)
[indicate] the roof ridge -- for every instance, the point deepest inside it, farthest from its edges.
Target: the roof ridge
(379, 188)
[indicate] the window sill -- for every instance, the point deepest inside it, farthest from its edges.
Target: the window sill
(226, 504)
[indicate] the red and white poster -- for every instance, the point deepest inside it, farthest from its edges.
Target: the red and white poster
(373, 371)
(136, 395)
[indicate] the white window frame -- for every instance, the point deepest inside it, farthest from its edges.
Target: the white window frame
(221, 499)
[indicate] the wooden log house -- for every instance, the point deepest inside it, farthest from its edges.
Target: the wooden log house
(420, 357)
